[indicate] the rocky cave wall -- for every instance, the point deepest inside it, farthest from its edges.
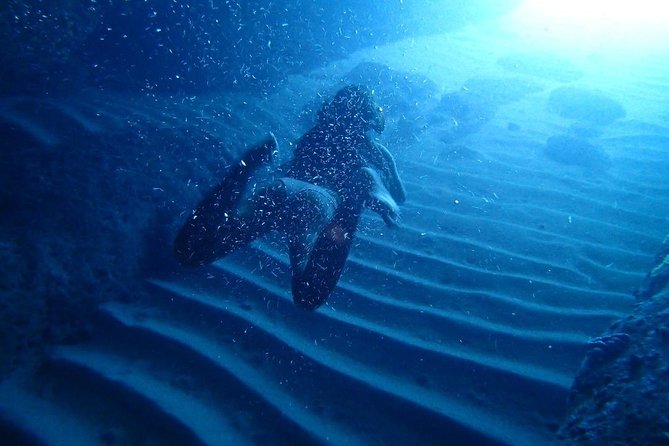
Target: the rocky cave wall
(52, 46)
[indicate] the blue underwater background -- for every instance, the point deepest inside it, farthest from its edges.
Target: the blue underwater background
(522, 300)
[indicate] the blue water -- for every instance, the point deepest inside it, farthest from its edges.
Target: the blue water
(535, 174)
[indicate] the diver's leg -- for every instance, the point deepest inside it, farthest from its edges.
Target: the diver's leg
(215, 229)
(317, 266)
(316, 275)
(308, 209)
(240, 229)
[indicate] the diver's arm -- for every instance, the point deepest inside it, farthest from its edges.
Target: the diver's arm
(390, 174)
(379, 158)
(379, 199)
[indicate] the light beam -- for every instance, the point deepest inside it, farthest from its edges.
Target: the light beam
(623, 26)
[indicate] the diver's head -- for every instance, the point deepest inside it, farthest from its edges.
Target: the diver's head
(353, 108)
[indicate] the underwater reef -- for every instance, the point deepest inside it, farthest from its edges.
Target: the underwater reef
(81, 196)
(619, 396)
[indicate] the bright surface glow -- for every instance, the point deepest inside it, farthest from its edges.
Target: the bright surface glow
(621, 25)
(598, 12)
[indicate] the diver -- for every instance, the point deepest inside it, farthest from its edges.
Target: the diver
(316, 199)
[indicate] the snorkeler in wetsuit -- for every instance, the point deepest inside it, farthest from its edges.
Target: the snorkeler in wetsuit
(316, 200)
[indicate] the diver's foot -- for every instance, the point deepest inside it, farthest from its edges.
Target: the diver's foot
(264, 153)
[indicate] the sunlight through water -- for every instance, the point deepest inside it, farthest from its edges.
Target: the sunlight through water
(621, 27)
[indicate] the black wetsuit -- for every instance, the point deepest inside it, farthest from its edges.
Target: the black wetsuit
(327, 160)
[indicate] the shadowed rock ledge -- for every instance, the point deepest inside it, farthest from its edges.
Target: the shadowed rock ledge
(619, 396)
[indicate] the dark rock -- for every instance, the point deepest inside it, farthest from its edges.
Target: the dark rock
(605, 348)
(575, 151)
(201, 46)
(590, 106)
(635, 363)
(410, 128)
(619, 396)
(463, 113)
